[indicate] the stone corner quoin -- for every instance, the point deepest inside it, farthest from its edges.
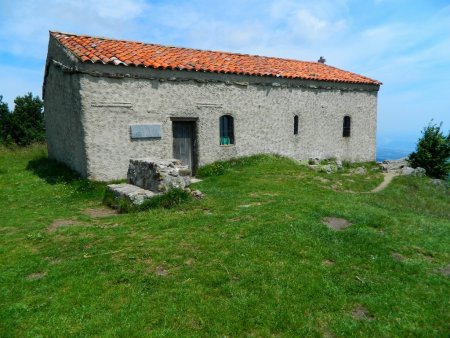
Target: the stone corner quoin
(99, 116)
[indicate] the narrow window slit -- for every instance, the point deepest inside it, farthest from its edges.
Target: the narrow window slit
(346, 126)
(226, 130)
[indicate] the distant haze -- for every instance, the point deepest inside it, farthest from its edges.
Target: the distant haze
(392, 146)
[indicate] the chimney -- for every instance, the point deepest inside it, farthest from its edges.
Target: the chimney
(322, 60)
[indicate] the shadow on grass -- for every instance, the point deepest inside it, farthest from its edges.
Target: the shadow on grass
(51, 171)
(54, 172)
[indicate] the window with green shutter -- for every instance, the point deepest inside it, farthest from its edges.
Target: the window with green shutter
(226, 130)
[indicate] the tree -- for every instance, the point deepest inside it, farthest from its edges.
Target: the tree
(27, 120)
(432, 152)
(5, 118)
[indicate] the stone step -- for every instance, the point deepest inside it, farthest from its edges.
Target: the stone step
(158, 175)
(134, 194)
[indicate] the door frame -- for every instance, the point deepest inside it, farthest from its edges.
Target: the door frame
(192, 120)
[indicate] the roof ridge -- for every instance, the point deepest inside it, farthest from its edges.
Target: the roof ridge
(187, 48)
(356, 74)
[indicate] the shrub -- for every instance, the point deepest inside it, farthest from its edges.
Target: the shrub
(432, 152)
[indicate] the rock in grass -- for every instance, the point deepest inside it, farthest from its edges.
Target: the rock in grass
(197, 194)
(394, 166)
(408, 171)
(328, 168)
(438, 182)
(313, 161)
(360, 171)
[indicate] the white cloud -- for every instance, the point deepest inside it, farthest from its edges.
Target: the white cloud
(26, 26)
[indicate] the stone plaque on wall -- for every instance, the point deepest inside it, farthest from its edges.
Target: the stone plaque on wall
(145, 131)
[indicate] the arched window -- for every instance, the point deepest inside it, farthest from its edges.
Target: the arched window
(296, 125)
(346, 126)
(226, 130)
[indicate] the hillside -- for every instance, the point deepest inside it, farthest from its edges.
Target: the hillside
(253, 258)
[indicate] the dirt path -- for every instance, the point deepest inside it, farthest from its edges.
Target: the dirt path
(387, 179)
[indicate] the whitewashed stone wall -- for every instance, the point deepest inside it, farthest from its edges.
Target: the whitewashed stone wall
(63, 114)
(263, 109)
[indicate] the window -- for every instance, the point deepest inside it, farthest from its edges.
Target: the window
(346, 127)
(226, 130)
(296, 125)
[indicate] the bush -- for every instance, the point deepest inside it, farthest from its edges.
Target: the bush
(432, 152)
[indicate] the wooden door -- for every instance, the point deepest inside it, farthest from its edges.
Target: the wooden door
(183, 143)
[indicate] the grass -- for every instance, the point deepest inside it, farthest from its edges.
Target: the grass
(168, 200)
(251, 259)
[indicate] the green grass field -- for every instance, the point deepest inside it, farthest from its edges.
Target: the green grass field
(251, 259)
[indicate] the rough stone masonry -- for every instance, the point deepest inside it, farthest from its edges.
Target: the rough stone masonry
(151, 177)
(92, 108)
(158, 176)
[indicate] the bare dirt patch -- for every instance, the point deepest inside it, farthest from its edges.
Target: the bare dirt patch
(37, 275)
(254, 204)
(326, 333)
(100, 212)
(189, 261)
(445, 271)
(423, 253)
(160, 271)
(387, 178)
(53, 261)
(398, 256)
(327, 262)
(321, 179)
(359, 312)
(61, 223)
(429, 258)
(336, 223)
(108, 225)
(262, 194)
(336, 186)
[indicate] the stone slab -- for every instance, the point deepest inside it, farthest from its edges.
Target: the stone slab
(131, 192)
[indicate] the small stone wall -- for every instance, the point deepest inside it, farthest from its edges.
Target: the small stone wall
(158, 175)
(401, 167)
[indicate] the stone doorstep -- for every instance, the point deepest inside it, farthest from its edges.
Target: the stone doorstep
(158, 175)
(131, 192)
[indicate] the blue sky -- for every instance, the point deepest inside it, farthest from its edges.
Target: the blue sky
(403, 43)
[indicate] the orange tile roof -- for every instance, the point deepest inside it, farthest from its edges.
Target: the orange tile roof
(130, 53)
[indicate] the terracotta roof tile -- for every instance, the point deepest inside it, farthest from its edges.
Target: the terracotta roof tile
(129, 53)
